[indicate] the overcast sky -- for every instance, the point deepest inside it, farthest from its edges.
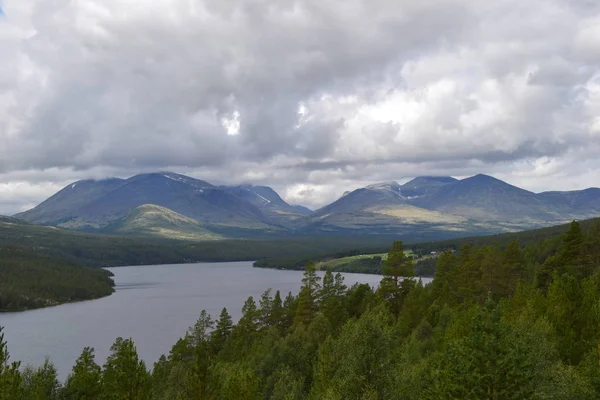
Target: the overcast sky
(312, 97)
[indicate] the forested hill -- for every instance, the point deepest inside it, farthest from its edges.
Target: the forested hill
(497, 322)
(547, 238)
(538, 236)
(29, 280)
(97, 250)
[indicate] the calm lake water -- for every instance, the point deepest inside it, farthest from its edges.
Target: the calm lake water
(154, 305)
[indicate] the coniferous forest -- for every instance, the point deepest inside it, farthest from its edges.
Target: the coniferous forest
(497, 322)
(30, 280)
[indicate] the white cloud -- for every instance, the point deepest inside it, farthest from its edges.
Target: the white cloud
(314, 97)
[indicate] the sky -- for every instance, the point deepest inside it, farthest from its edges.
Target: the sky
(311, 97)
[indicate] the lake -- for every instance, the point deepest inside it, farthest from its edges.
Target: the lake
(154, 305)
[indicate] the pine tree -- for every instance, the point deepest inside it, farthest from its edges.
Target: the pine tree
(41, 383)
(514, 263)
(200, 332)
(124, 375)
(494, 277)
(357, 364)
(490, 363)
(278, 313)
(84, 382)
(570, 254)
(222, 330)
(397, 264)
(396, 284)
(332, 299)
(591, 250)
(446, 265)
(290, 305)
(266, 309)
(249, 322)
(10, 378)
(196, 382)
(308, 298)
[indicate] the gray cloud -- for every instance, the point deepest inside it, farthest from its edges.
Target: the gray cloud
(312, 97)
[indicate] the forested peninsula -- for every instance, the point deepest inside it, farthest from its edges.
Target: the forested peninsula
(29, 280)
(497, 322)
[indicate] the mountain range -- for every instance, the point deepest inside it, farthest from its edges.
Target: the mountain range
(173, 205)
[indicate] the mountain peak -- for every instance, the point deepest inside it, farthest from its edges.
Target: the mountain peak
(388, 185)
(482, 179)
(432, 178)
(422, 185)
(173, 177)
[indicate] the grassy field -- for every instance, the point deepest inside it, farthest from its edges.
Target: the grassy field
(338, 262)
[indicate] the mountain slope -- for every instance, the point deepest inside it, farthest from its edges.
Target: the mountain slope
(478, 204)
(425, 185)
(105, 202)
(380, 208)
(153, 220)
(269, 203)
(585, 201)
(60, 206)
(486, 198)
(424, 206)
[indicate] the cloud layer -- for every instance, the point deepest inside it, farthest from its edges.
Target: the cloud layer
(314, 97)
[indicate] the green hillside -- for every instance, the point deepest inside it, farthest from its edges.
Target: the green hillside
(98, 250)
(496, 323)
(361, 259)
(30, 280)
(153, 220)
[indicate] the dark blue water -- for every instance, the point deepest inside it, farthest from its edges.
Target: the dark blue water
(154, 305)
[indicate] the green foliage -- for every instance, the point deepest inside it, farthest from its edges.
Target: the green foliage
(124, 375)
(85, 381)
(30, 280)
(357, 364)
(99, 250)
(308, 298)
(489, 363)
(223, 328)
(396, 283)
(11, 381)
(41, 383)
(485, 328)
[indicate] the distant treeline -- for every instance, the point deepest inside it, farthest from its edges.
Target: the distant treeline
(299, 262)
(497, 322)
(29, 280)
(97, 250)
(544, 237)
(552, 233)
(369, 265)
